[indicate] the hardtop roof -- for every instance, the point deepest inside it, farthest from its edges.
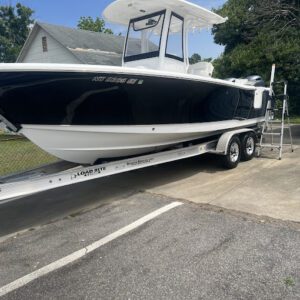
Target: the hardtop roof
(122, 11)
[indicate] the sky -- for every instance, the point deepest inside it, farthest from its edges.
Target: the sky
(68, 12)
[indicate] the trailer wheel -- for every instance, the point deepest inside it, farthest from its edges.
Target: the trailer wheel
(233, 156)
(248, 146)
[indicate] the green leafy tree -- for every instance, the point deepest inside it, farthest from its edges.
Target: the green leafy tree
(97, 25)
(195, 58)
(209, 59)
(258, 34)
(15, 24)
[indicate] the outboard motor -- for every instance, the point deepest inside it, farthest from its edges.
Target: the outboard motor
(255, 80)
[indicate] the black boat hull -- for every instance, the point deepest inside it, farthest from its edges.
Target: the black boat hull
(82, 98)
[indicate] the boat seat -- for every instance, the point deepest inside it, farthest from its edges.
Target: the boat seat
(202, 68)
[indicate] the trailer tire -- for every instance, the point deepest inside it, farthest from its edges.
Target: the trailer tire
(249, 141)
(233, 156)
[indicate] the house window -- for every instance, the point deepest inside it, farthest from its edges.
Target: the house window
(44, 44)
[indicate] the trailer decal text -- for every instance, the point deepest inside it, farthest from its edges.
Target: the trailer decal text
(139, 162)
(88, 173)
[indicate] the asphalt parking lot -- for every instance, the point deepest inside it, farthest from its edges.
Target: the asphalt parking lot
(227, 235)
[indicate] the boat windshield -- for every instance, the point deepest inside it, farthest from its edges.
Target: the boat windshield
(144, 37)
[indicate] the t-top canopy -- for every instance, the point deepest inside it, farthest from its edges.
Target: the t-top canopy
(122, 11)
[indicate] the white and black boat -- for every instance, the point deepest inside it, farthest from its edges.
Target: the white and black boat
(82, 113)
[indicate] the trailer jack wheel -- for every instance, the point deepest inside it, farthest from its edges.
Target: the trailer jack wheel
(233, 156)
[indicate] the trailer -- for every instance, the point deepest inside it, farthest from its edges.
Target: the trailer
(233, 146)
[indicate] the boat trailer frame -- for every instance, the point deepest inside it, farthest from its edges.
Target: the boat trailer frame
(36, 184)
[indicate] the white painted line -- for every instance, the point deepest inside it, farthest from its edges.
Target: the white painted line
(81, 253)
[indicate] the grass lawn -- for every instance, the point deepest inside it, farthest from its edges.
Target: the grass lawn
(19, 154)
(295, 120)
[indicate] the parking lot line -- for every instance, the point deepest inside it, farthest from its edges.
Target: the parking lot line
(84, 251)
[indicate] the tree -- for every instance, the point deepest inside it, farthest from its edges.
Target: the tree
(97, 25)
(258, 34)
(14, 28)
(209, 59)
(195, 58)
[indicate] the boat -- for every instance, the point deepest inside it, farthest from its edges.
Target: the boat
(156, 99)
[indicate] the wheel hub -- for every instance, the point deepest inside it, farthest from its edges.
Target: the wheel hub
(234, 152)
(250, 146)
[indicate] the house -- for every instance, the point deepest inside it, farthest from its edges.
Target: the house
(48, 43)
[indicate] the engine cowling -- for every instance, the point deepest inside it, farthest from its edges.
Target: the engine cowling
(253, 80)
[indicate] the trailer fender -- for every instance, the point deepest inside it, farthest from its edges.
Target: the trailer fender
(222, 145)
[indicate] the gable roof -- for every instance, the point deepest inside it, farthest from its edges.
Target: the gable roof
(87, 46)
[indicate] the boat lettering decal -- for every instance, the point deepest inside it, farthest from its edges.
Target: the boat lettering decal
(132, 81)
(119, 80)
(116, 80)
(88, 173)
(139, 162)
(98, 79)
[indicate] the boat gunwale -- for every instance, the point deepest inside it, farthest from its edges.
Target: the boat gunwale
(78, 68)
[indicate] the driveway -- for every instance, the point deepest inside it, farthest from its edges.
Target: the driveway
(187, 252)
(184, 230)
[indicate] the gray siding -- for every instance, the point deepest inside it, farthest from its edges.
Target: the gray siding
(56, 52)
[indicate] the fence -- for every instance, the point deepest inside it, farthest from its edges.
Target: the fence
(18, 154)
